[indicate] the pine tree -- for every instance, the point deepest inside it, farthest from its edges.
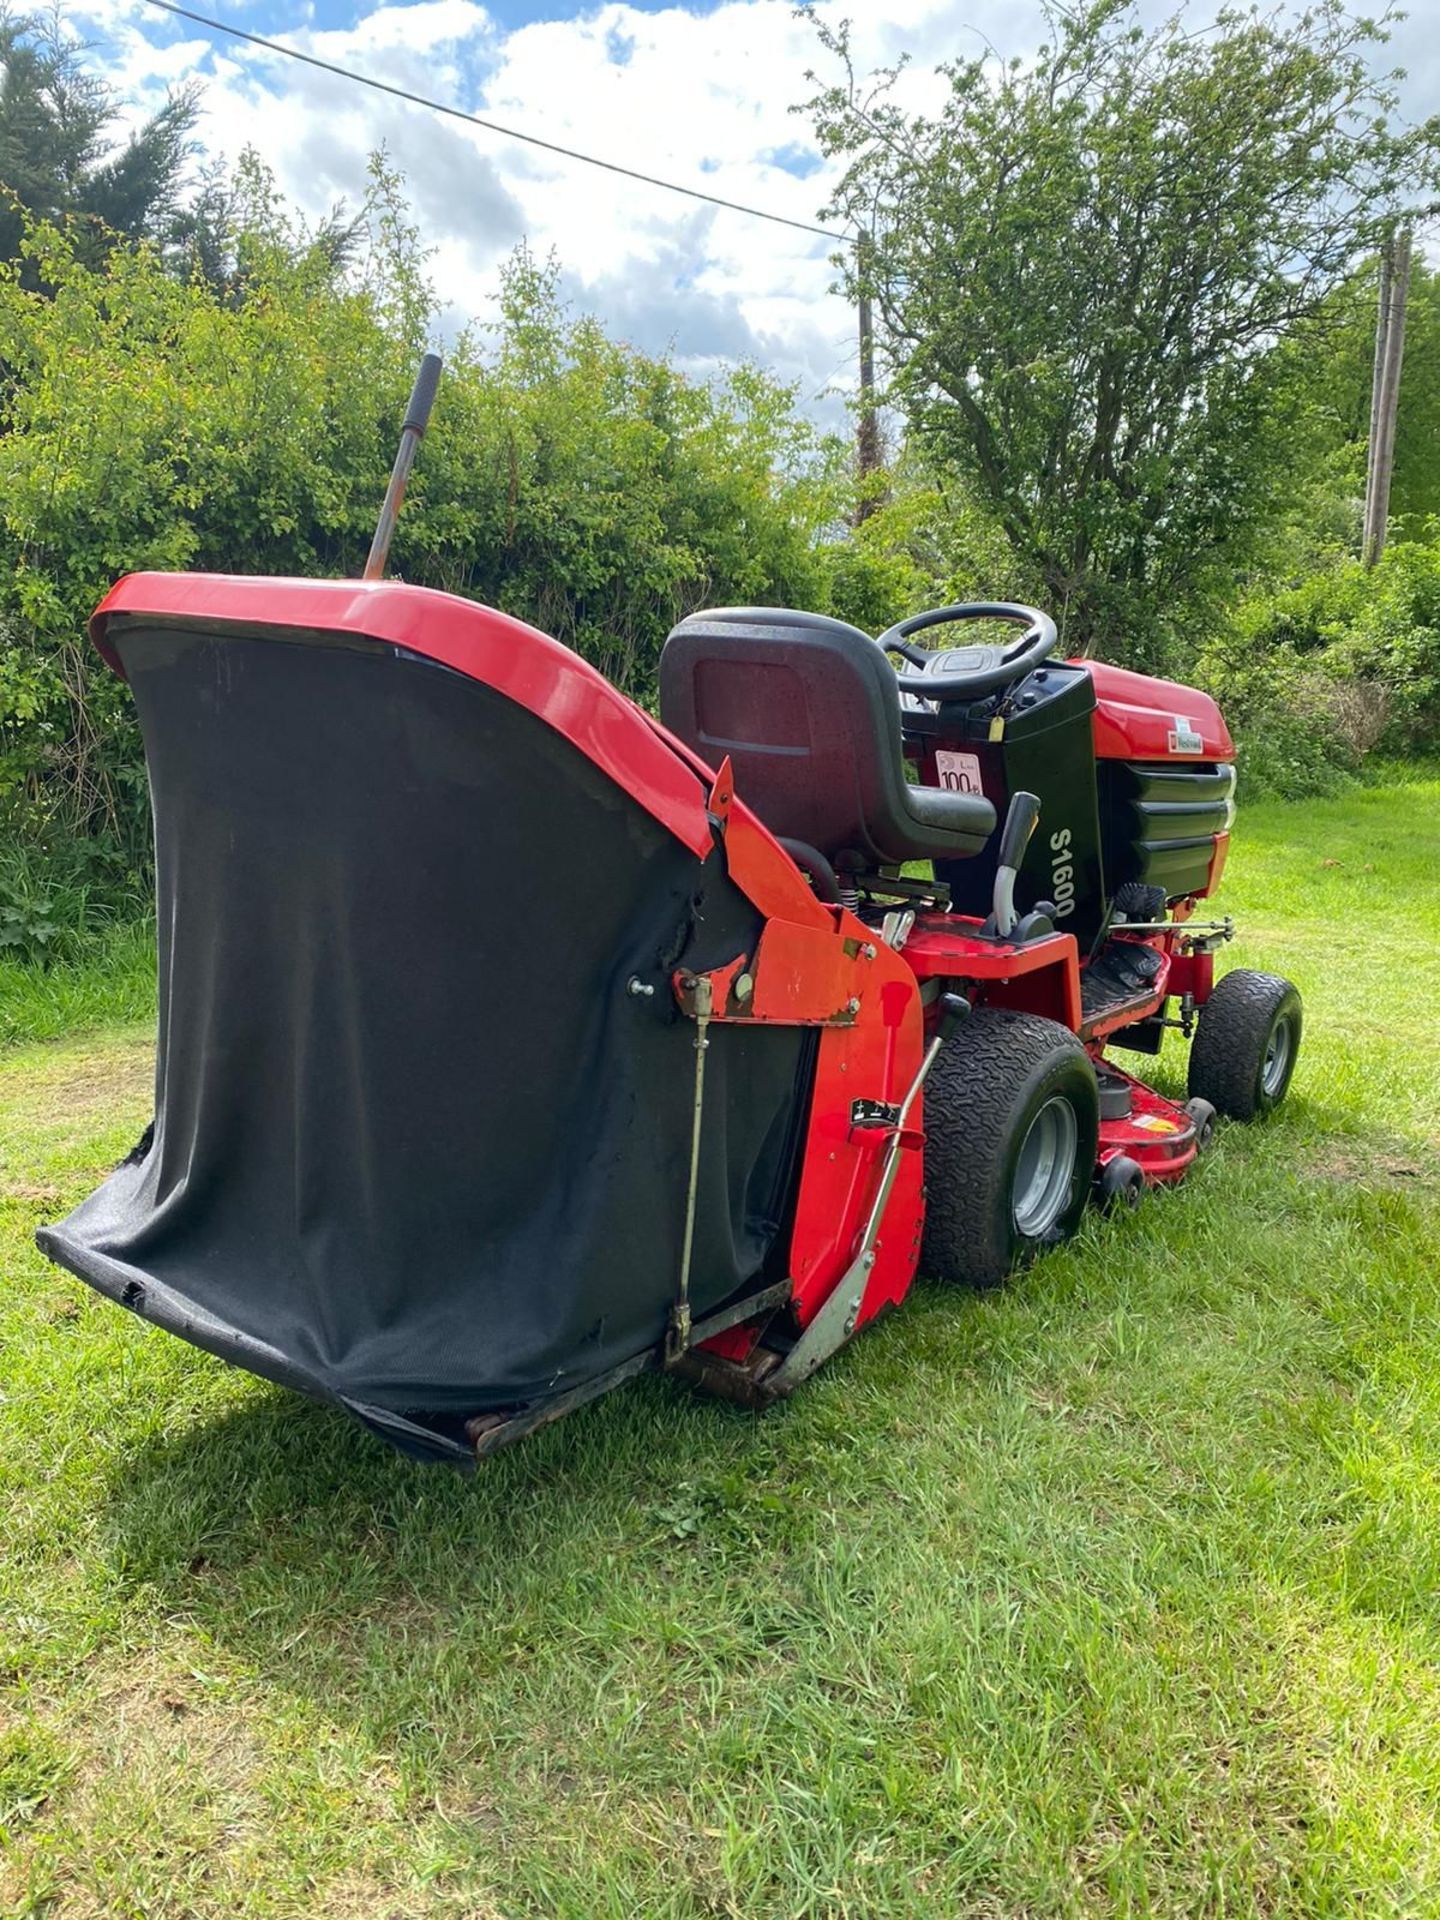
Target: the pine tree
(57, 157)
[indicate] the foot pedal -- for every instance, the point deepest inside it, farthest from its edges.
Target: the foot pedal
(1123, 971)
(1133, 965)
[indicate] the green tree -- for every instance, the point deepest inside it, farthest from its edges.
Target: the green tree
(1083, 264)
(57, 160)
(233, 217)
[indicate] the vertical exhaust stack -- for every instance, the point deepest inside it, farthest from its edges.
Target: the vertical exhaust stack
(417, 418)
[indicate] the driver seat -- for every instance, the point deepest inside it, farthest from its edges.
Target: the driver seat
(808, 711)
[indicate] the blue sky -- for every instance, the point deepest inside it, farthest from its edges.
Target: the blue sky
(697, 92)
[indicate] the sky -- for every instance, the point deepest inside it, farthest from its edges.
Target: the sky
(700, 93)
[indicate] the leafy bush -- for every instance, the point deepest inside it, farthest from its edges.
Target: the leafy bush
(1316, 675)
(1387, 629)
(58, 890)
(28, 927)
(1289, 745)
(153, 421)
(925, 544)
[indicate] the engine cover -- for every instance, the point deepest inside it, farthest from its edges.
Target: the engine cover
(1135, 778)
(1137, 718)
(1166, 781)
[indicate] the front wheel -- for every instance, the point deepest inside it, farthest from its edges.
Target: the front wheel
(1012, 1120)
(1246, 1044)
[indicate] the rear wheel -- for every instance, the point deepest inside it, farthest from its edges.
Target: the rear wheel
(1246, 1044)
(1012, 1116)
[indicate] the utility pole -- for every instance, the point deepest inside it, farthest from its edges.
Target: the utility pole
(867, 433)
(1382, 332)
(1385, 389)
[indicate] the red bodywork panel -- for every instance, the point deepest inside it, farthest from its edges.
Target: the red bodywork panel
(1136, 718)
(1041, 977)
(876, 1058)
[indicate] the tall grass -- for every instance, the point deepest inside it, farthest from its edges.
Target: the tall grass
(77, 946)
(108, 980)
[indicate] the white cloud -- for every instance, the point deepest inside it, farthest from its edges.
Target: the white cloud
(702, 99)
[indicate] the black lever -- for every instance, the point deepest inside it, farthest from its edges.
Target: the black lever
(1020, 819)
(1020, 823)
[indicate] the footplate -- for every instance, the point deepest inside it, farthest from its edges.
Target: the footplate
(1123, 979)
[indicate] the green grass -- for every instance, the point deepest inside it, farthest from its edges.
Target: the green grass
(114, 983)
(1117, 1592)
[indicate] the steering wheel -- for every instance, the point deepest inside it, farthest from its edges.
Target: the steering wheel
(963, 673)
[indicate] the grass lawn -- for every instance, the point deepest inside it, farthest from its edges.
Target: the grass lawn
(1117, 1592)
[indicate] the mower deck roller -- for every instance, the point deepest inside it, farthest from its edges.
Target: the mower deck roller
(511, 1042)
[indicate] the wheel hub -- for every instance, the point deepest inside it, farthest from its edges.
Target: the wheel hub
(1277, 1058)
(1045, 1169)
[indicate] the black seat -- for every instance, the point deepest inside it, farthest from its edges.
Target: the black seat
(808, 710)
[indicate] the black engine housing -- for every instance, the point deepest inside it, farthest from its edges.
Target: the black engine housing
(1037, 737)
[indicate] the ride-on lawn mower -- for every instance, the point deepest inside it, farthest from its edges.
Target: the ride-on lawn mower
(512, 1041)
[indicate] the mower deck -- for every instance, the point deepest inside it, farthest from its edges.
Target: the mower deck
(1156, 1133)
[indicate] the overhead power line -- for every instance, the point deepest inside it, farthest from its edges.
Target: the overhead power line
(492, 126)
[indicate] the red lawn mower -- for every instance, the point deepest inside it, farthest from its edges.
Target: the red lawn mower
(512, 1041)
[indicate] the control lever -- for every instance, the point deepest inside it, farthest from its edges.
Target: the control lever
(1020, 821)
(417, 419)
(897, 926)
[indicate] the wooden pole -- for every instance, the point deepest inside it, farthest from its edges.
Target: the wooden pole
(1386, 400)
(867, 434)
(1377, 381)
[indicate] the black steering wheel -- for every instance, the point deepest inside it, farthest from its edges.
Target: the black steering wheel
(964, 673)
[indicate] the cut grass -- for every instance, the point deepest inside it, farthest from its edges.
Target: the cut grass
(1115, 1592)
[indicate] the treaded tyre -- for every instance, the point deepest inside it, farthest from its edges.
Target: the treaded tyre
(1012, 1119)
(1246, 1044)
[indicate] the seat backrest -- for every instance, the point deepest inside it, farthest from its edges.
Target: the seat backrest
(808, 711)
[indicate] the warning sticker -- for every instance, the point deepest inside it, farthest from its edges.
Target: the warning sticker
(958, 772)
(1156, 1123)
